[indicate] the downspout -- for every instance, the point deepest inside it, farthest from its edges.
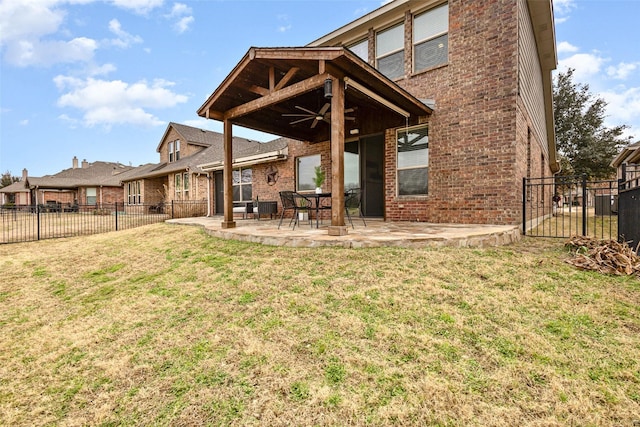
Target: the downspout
(209, 183)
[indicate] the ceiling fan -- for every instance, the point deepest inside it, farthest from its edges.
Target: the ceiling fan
(322, 115)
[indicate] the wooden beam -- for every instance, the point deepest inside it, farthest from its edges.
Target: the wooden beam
(227, 174)
(259, 90)
(276, 97)
(337, 159)
(272, 78)
(287, 77)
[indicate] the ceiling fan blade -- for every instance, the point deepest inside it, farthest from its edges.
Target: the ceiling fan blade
(306, 110)
(315, 122)
(353, 119)
(349, 110)
(324, 109)
(297, 115)
(302, 120)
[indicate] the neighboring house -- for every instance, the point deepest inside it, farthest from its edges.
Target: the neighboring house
(436, 110)
(187, 155)
(627, 162)
(94, 183)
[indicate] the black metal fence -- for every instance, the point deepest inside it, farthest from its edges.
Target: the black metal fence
(54, 220)
(629, 211)
(566, 206)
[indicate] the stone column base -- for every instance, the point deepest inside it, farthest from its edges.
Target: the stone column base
(228, 224)
(338, 230)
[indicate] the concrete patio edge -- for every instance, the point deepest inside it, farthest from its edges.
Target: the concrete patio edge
(378, 233)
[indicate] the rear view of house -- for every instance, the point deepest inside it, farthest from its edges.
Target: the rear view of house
(435, 110)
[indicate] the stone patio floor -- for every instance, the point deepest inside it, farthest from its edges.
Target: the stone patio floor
(377, 233)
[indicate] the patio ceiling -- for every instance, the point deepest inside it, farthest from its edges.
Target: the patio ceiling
(273, 89)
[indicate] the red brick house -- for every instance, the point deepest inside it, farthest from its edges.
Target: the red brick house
(436, 110)
(85, 183)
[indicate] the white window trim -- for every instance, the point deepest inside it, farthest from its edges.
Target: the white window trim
(408, 129)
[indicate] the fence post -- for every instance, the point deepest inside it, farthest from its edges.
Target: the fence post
(38, 219)
(172, 212)
(584, 204)
(116, 216)
(524, 205)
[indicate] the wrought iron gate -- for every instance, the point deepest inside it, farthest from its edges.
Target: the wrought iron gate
(566, 206)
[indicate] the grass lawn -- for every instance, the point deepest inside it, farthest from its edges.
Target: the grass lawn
(163, 325)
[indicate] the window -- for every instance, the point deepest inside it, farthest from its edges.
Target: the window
(351, 165)
(242, 183)
(361, 49)
(390, 51)
(431, 38)
(91, 196)
(134, 196)
(178, 178)
(185, 186)
(305, 172)
(174, 150)
(413, 161)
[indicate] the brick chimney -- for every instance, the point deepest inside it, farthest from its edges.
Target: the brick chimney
(25, 174)
(85, 164)
(74, 162)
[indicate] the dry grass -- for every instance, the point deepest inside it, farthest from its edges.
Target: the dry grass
(163, 325)
(567, 224)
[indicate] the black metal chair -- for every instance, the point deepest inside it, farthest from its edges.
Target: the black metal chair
(295, 202)
(353, 201)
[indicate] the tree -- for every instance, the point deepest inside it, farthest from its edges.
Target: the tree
(585, 145)
(8, 179)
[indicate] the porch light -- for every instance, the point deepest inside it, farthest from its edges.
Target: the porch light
(328, 88)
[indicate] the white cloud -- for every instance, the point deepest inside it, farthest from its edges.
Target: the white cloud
(563, 7)
(24, 122)
(623, 105)
(45, 53)
(141, 7)
(27, 20)
(124, 39)
(566, 47)
(183, 15)
(585, 65)
(115, 102)
(183, 24)
(623, 70)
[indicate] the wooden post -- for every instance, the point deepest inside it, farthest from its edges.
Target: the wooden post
(228, 175)
(337, 227)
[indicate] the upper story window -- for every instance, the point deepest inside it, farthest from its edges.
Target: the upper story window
(431, 38)
(174, 150)
(413, 161)
(390, 51)
(361, 49)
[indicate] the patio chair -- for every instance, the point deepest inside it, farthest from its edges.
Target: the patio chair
(292, 201)
(353, 201)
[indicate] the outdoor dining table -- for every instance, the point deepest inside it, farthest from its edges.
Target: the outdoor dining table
(317, 197)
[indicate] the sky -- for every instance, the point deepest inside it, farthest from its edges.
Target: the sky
(101, 79)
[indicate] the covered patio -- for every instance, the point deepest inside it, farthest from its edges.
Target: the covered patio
(311, 95)
(377, 233)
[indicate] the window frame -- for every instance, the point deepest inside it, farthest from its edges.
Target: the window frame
(94, 196)
(364, 41)
(311, 172)
(415, 43)
(412, 167)
(134, 195)
(240, 183)
(402, 48)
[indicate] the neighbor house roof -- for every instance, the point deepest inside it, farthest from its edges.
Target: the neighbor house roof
(15, 187)
(212, 153)
(192, 135)
(629, 154)
(96, 174)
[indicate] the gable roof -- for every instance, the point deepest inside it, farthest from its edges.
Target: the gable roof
(191, 135)
(629, 154)
(270, 84)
